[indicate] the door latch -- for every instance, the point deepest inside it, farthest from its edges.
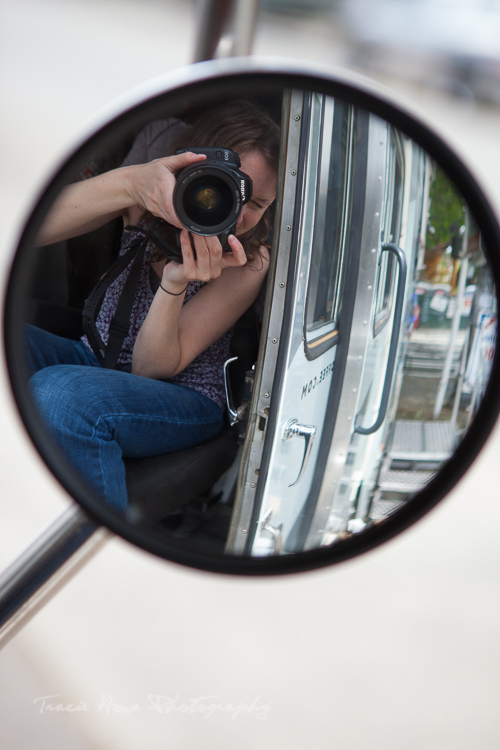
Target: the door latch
(275, 531)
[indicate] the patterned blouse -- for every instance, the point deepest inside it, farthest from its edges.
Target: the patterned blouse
(205, 373)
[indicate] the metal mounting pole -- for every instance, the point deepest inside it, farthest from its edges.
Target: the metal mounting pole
(45, 566)
(226, 28)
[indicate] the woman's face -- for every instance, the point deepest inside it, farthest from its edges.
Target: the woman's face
(264, 180)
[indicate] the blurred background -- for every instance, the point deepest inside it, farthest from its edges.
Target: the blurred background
(396, 648)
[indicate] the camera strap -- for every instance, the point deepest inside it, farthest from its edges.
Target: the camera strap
(107, 355)
(120, 323)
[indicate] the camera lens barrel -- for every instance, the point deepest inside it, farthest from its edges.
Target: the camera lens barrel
(209, 195)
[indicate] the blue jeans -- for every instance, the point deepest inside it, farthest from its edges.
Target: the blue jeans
(99, 416)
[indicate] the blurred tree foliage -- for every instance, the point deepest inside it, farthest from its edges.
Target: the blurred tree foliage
(446, 213)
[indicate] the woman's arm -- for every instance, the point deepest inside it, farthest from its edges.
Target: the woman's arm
(173, 335)
(89, 204)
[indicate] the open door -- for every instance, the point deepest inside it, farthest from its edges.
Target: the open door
(333, 343)
(317, 245)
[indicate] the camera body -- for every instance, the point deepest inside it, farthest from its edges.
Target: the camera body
(209, 195)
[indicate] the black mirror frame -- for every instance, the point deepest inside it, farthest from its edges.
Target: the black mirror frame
(229, 77)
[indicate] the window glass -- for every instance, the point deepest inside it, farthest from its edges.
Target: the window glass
(330, 226)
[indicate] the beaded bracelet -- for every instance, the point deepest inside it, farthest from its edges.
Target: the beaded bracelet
(174, 294)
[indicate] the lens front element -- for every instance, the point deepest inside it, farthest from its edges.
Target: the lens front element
(209, 201)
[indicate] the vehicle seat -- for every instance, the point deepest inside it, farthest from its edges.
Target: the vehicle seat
(160, 485)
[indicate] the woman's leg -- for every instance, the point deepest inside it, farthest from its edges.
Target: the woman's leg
(44, 349)
(98, 416)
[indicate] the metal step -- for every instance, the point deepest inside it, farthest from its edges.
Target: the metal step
(383, 508)
(398, 480)
(422, 441)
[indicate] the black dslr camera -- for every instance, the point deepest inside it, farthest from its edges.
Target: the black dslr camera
(208, 196)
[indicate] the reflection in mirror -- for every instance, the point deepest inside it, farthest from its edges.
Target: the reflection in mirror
(359, 303)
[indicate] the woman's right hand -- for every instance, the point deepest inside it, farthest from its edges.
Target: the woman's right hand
(152, 184)
(126, 191)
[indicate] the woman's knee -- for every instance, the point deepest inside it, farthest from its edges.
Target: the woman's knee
(65, 393)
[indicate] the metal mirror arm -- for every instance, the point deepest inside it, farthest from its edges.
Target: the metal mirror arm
(45, 566)
(226, 29)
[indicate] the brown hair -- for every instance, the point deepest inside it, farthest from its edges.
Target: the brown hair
(243, 127)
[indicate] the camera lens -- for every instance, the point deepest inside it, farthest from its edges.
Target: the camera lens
(208, 201)
(207, 198)
(208, 195)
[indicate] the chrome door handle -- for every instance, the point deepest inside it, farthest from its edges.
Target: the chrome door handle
(231, 411)
(293, 429)
(393, 346)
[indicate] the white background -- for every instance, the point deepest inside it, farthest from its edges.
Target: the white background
(398, 648)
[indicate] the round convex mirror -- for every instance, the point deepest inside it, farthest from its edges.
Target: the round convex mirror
(358, 281)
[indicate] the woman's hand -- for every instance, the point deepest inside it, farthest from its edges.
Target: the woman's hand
(126, 191)
(174, 334)
(208, 264)
(151, 185)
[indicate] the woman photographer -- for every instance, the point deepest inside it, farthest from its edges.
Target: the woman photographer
(166, 393)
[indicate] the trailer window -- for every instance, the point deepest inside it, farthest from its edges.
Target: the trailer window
(330, 227)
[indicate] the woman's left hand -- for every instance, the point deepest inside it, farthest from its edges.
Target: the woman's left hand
(208, 263)
(173, 333)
